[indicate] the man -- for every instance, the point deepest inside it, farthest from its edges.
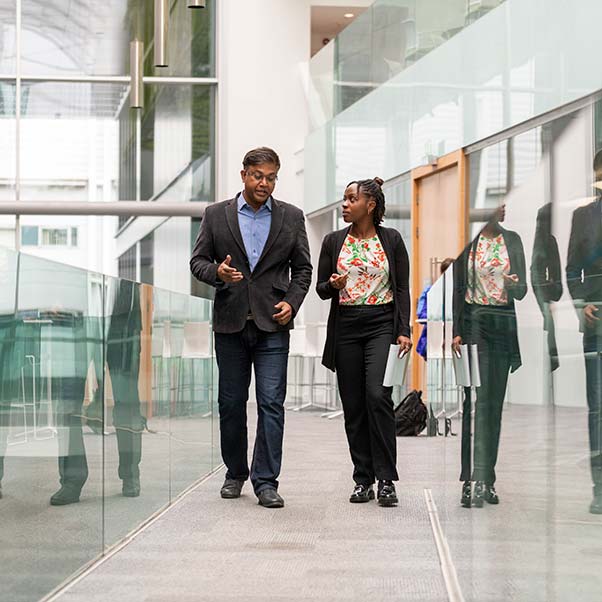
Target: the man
(247, 248)
(584, 279)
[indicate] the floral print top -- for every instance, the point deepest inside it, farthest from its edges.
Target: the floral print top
(368, 267)
(490, 263)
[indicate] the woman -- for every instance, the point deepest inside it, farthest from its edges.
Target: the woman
(488, 277)
(364, 271)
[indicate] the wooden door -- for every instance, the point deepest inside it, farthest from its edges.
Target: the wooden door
(439, 224)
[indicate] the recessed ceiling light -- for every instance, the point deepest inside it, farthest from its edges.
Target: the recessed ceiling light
(349, 15)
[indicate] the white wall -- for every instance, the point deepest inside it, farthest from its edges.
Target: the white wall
(261, 97)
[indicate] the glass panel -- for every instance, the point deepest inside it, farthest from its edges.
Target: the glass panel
(137, 481)
(50, 345)
(8, 39)
(389, 37)
(71, 38)
(7, 158)
(177, 143)
(124, 449)
(321, 82)
(536, 401)
(29, 235)
(454, 97)
(79, 143)
(191, 410)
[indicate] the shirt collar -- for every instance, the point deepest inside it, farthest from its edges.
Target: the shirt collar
(242, 203)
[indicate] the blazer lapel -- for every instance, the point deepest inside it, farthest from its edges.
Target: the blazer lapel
(232, 219)
(275, 227)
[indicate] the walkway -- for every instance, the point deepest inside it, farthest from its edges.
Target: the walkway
(319, 547)
(540, 544)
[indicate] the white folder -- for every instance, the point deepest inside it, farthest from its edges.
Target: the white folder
(395, 372)
(466, 367)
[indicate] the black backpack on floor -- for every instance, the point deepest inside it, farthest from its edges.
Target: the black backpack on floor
(411, 415)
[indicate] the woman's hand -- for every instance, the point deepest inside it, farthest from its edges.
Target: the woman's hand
(405, 345)
(510, 279)
(338, 281)
(456, 343)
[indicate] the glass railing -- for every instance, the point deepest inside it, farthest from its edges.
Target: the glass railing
(106, 414)
(522, 389)
(389, 37)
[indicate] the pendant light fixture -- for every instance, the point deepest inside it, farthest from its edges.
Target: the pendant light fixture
(136, 72)
(161, 25)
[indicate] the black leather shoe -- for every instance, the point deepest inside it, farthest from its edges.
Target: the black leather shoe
(269, 498)
(362, 494)
(386, 494)
(131, 487)
(479, 494)
(231, 489)
(67, 494)
(466, 499)
(596, 505)
(491, 496)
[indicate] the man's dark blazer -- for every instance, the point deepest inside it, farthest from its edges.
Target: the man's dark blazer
(399, 268)
(462, 324)
(283, 272)
(584, 260)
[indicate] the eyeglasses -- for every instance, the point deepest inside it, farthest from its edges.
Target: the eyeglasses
(258, 177)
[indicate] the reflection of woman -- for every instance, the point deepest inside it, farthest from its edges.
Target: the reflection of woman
(488, 277)
(364, 271)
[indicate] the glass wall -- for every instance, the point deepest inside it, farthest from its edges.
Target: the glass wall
(389, 37)
(78, 138)
(522, 354)
(500, 71)
(106, 414)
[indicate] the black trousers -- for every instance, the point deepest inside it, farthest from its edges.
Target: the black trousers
(236, 354)
(364, 335)
(494, 368)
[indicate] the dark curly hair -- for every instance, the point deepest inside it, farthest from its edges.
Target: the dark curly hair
(373, 189)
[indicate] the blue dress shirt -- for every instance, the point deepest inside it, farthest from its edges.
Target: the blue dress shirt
(254, 227)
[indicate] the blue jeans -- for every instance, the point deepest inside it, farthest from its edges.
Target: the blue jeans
(592, 346)
(236, 354)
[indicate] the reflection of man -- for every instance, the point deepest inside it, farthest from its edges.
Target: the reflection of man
(66, 337)
(546, 276)
(584, 279)
(246, 248)
(123, 361)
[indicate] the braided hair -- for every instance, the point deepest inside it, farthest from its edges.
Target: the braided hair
(373, 189)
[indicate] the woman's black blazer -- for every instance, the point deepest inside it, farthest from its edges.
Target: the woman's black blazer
(516, 291)
(399, 267)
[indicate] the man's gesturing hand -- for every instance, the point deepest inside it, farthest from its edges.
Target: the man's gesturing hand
(226, 273)
(285, 313)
